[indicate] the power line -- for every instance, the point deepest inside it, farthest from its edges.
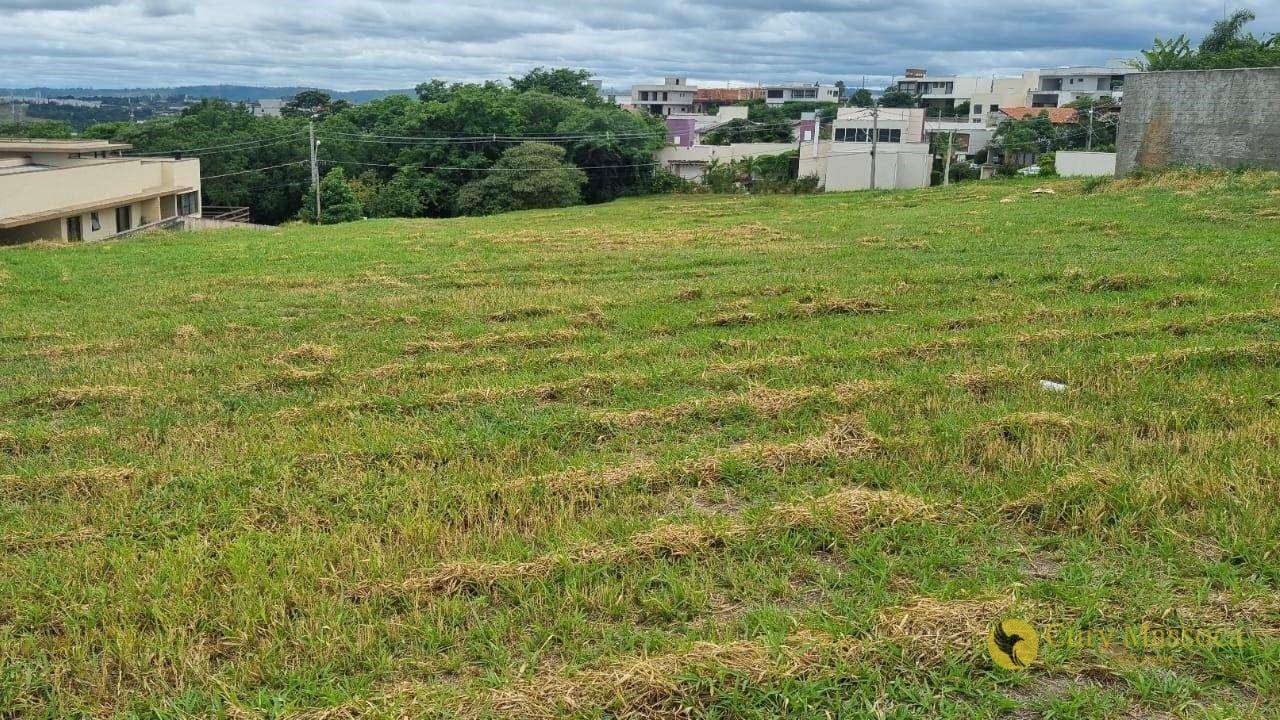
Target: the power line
(486, 169)
(244, 144)
(242, 172)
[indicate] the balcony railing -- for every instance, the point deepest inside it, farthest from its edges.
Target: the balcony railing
(226, 213)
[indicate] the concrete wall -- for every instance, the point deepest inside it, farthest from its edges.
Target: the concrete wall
(1085, 164)
(1218, 118)
(847, 166)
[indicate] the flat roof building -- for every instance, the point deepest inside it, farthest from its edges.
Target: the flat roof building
(75, 190)
(674, 96)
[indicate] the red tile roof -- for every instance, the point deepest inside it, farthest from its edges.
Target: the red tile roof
(1057, 116)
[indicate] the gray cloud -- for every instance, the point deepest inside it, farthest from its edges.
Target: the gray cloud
(348, 44)
(166, 8)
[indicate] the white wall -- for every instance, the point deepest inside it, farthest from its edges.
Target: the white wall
(1085, 164)
(847, 166)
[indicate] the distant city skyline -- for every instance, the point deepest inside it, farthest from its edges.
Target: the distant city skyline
(382, 44)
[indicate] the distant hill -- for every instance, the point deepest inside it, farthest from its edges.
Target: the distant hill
(235, 93)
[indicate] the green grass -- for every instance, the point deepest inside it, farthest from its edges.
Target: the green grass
(716, 457)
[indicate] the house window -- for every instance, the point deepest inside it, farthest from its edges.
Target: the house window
(187, 202)
(774, 94)
(838, 135)
(977, 109)
(94, 222)
(995, 107)
(860, 135)
(74, 233)
(124, 218)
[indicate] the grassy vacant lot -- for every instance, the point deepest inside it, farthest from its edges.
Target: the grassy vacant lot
(700, 456)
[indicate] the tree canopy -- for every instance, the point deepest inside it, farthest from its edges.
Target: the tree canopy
(401, 155)
(895, 98)
(527, 176)
(1226, 45)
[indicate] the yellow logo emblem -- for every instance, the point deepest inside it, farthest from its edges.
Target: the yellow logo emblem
(1013, 644)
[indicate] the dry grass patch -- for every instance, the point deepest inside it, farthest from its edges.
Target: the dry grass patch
(1026, 437)
(851, 509)
(921, 351)
(74, 396)
(930, 629)
(83, 483)
(838, 306)
(526, 312)
(309, 353)
(508, 339)
(1263, 354)
(672, 684)
(764, 401)
(983, 382)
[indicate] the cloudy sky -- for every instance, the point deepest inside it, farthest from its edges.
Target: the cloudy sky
(354, 44)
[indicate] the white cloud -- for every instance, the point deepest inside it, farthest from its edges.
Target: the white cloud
(347, 44)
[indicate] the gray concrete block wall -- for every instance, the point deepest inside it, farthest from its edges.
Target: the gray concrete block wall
(1216, 118)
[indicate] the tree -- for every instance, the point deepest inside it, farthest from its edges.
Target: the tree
(558, 81)
(619, 146)
(433, 91)
(1226, 45)
(338, 201)
(48, 129)
(312, 102)
(746, 131)
(1226, 34)
(896, 98)
(862, 98)
(527, 176)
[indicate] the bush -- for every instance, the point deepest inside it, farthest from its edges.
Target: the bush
(665, 181)
(527, 176)
(1048, 164)
(338, 201)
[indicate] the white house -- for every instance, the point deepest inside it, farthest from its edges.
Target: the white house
(937, 91)
(966, 136)
(85, 190)
(898, 137)
(674, 96)
(800, 92)
(994, 93)
(1061, 86)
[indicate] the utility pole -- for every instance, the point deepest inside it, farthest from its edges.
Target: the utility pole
(875, 137)
(315, 168)
(946, 165)
(1088, 147)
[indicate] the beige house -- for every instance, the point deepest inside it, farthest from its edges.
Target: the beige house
(77, 190)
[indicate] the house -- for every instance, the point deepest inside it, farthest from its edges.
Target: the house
(994, 93)
(800, 92)
(87, 190)
(898, 137)
(674, 95)
(268, 107)
(936, 91)
(966, 136)
(688, 129)
(1062, 86)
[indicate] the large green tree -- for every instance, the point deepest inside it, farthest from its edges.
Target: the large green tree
(1226, 45)
(338, 200)
(527, 176)
(558, 81)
